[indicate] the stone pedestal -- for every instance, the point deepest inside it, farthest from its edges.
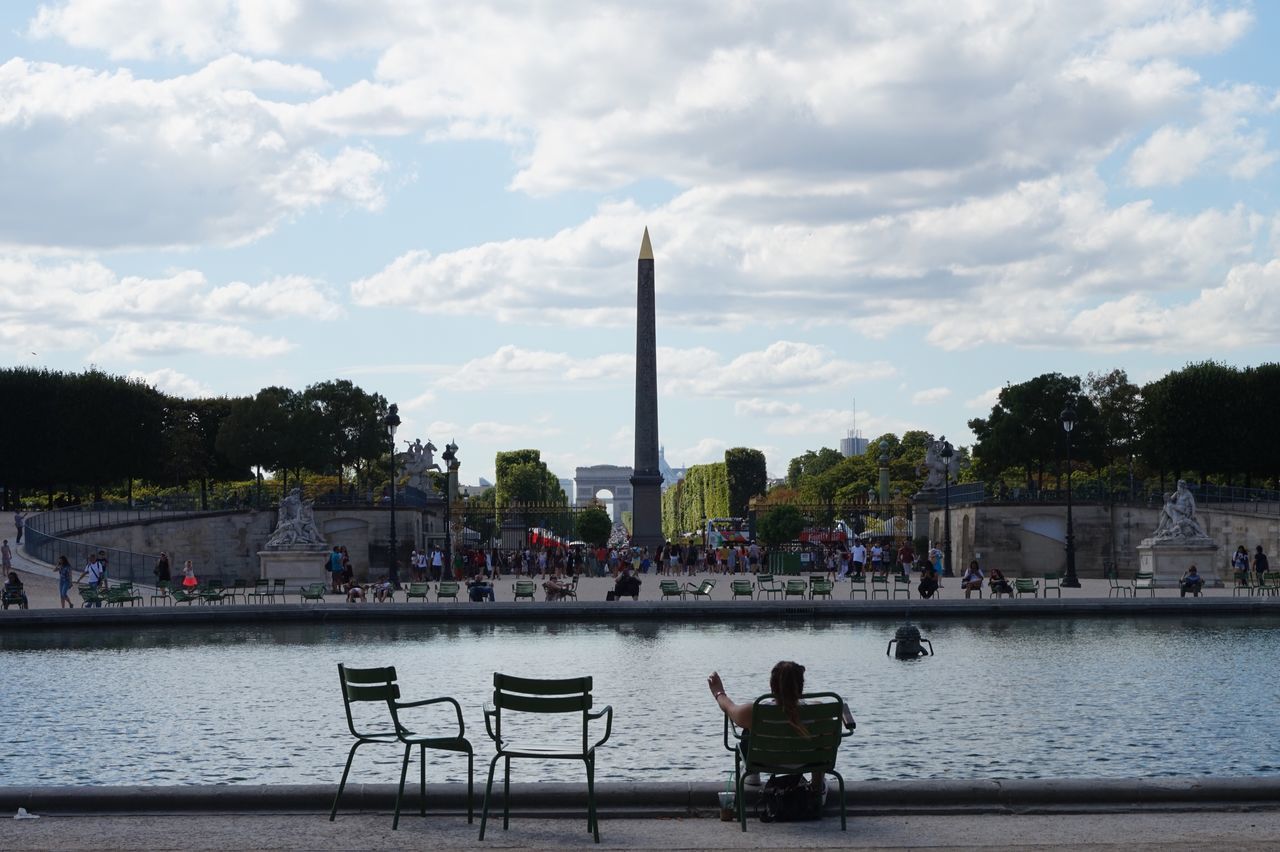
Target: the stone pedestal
(1168, 560)
(295, 566)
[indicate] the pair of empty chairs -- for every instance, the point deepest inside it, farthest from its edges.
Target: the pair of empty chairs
(515, 699)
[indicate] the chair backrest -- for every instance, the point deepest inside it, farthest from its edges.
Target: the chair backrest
(524, 587)
(764, 577)
(776, 743)
(1050, 579)
(706, 586)
(901, 580)
(668, 586)
(1024, 584)
(533, 695)
(418, 590)
(447, 589)
(741, 587)
(796, 587)
(261, 585)
(358, 685)
(278, 584)
(879, 580)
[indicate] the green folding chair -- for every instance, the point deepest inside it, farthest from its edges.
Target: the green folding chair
(517, 699)
(776, 746)
(741, 589)
(378, 685)
(417, 590)
(524, 590)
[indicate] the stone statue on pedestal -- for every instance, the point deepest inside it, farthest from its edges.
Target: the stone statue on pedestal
(416, 462)
(935, 467)
(295, 524)
(1178, 517)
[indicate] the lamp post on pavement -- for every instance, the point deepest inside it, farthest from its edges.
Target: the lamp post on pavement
(392, 422)
(945, 453)
(1068, 417)
(450, 456)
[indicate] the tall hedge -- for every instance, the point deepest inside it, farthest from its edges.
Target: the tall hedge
(703, 493)
(746, 476)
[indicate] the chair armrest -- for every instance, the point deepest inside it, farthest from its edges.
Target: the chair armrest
(457, 708)
(607, 713)
(489, 714)
(737, 735)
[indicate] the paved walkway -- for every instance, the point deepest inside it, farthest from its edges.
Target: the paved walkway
(42, 587)
(1129, 832)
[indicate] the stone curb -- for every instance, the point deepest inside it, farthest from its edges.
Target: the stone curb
(506, 611)
(670, 798)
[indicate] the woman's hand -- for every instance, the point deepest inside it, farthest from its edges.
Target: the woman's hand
(715, 684)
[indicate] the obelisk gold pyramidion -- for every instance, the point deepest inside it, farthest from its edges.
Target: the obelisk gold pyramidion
(646, 479)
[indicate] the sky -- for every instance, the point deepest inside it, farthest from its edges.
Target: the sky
(863, 215)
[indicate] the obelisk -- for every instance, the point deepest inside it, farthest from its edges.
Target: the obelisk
(646, 479)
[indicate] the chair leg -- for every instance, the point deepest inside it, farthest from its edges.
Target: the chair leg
(422, 780)
(740, 799)
(343, 783)
(404, 769)
(840, 779)
(592, 824)
(488, 791)
(506, 795)
(471, 779)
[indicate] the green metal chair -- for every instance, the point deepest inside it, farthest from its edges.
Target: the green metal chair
(312, 592)
(902, 583)
(1117, 588)
(239, 589)
(769, 585)
(161, 594)
(670, 589)
(1269, 584)
(1052, 583)
(122, 593)
(776, 746)
(795, 589)
(880, 583)
(1144, 581)
(417, 590)
(1026, 586)
(184, 595)
(857, 584)
(448, 589)
(524, 590)
(741, 589)
(379, 685)
(278, 590)
(91, 595)
(214, 593)
(702, 590)
(523, 698)
(1241, 583)
(820, 589)
(261, 591)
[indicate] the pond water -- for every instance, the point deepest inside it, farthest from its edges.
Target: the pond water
(1008, 699)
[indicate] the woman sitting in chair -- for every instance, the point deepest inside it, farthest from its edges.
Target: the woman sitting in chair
(928, 583)
(13, 591)
(786, 685)
(998, 583)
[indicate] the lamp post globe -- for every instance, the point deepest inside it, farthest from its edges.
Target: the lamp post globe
(392, 422)
(945, 453)
(1068, 418)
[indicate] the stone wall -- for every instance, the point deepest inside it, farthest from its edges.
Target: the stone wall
(1026, 540)
(227, 545)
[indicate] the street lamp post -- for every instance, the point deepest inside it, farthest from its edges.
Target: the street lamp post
(1071, 581)
(450, 456)
(392, 422)
(946, 453)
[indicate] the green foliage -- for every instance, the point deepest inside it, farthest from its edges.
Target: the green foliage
(810, 464)
(350, 424)
(703, 493)
(779, 525)
(594, 526)
(746, 477)
(1024, 428)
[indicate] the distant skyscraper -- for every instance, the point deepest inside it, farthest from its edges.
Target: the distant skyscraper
(853, 444)
(567, 486)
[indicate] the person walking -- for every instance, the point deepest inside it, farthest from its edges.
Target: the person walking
(6, 556)
(19, 523)
(1260, 564)
(163, 572)
(64, 583)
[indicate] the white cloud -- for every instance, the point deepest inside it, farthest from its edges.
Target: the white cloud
(984, 401)
(930, 396)
(109, 159)
(135, 340)
(704, 451)
(756, 407)
(172, 382)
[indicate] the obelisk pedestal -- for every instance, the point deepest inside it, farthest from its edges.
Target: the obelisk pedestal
(646, 479)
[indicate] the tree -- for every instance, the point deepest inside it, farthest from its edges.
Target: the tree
(780, 524)
(811, 463)
(594, 525)
(747, 477)
(350, 422)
